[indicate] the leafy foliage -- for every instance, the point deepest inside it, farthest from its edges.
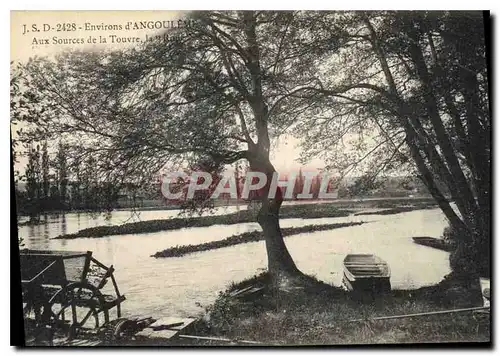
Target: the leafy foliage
(416, 99)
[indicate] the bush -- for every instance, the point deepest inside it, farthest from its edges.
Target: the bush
(471, 256)
(449, 234)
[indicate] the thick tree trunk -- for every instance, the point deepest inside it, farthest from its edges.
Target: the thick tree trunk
(472, 255)
(430, 183)
(415, 138)
(468, 201)
(281, 266)
(471, 229)
(280, 263)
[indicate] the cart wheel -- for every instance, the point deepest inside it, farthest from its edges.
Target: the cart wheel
(116, 329)
(76, 308)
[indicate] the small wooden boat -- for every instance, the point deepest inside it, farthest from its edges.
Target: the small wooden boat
(433, 242)
(366, 273)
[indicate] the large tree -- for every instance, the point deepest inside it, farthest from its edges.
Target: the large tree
(27, 113)
(415, 95)
(220, 88)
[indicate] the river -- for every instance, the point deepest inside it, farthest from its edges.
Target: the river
(178, 286)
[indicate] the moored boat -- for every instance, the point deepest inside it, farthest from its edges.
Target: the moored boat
(433, 242)
(366, 273)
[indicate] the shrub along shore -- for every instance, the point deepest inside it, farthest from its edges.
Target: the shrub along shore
(245, 237)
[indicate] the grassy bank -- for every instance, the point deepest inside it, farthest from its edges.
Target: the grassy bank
(321, 314)
(245, 237)
(307, 211)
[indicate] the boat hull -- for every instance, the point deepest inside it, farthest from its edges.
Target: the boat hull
(373, 285)
(367, 274)
(434, 243)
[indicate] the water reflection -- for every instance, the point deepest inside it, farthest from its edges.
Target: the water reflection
(172, 286)
(78, 221)
(64, 228)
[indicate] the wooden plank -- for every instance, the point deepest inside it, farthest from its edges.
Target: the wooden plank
(248, 291)
(367, 273)
(209, 338)
(473, 309)
(157, 334)
(81, 343)
(167, 321)
(255, 290)
(363, 265)
(90, 343)
(482, 311)
(166, 326)
(240, 291)
(173, 323)
(145, 332)
(59, 341)
(365, 269)
(163, 334)
(187, 322)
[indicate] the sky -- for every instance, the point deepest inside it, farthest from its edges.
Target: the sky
(30, 30)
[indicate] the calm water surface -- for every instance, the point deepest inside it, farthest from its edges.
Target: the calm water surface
(176, 286)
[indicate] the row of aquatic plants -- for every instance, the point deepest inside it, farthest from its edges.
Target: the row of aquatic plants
(245, 237)
(306, 211)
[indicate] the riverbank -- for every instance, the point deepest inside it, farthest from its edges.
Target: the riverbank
(253, 236)
(291, 211)
(398, 210)
(303, 211)
(320, 314)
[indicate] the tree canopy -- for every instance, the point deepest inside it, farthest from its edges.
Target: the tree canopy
(420, 100)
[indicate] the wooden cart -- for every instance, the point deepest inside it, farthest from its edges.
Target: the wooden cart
(63, 293)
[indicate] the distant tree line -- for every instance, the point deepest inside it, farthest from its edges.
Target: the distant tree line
(48, 187)
(345, 188)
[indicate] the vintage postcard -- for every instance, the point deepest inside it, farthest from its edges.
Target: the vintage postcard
(251, 178)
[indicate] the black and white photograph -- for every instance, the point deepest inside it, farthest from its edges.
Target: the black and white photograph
(251, 178)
